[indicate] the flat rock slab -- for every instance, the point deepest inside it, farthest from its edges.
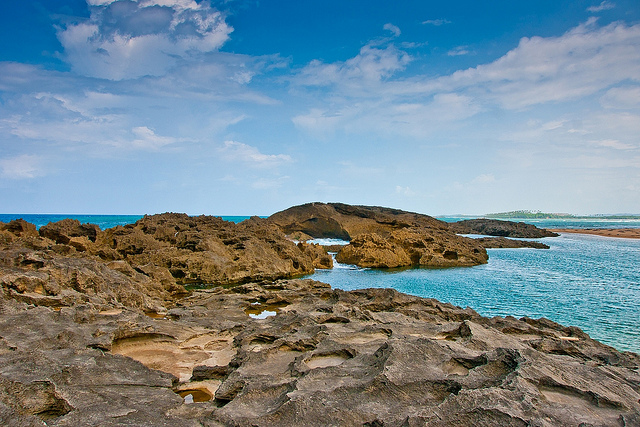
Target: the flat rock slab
(327, 357)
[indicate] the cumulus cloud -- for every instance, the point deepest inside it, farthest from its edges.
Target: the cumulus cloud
(605, 5)
(237, 151)
(124, 39)
(26, 166)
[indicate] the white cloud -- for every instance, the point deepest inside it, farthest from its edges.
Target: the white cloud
(579, 63)
(394, 29)
(148, 140)
(458, 51)
(237, 151)
(124, 39)
(605, 5)
(26, 166)
(436, 22)
(615, 144)
(626, 97)
(371, 66)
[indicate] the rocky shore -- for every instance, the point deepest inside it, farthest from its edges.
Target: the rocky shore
(113, 327)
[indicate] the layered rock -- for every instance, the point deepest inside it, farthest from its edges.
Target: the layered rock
(382, 237)
(325, 357)
(496, 227)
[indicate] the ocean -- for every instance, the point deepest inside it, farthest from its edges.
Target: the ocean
(587, 281)
(102, 221)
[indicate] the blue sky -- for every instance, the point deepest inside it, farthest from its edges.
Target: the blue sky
(242, 107)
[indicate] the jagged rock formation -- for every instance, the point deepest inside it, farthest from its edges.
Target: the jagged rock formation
(496, 227)
(143, 264)
(382, 237)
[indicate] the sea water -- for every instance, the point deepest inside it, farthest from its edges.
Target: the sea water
(587, 281)
(102, 221)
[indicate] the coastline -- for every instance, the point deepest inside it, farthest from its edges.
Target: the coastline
(623, 233)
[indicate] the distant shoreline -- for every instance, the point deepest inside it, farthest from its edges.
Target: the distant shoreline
(624, 233)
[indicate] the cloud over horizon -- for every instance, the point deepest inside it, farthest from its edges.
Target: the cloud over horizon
(124, 39)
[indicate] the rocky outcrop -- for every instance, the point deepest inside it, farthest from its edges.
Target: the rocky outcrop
(101, 332)
(495, 227)
(146, 263)
(502, 242)
(382, 237)
(323, 357)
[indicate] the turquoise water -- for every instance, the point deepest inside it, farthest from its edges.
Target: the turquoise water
(587, 281)
(568, 222)
(102, 221)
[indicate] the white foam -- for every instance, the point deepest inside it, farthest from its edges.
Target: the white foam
(263, 315)
(339, 266)
(328, 242)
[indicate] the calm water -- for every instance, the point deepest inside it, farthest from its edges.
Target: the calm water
(587, 281)
(103, 221)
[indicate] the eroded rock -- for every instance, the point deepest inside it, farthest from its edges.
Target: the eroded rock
(382, 237)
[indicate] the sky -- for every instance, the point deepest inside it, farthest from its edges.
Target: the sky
(248, 107)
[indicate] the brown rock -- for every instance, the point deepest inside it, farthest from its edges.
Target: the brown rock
(382, 237)
(63, 231)
(372, 251)
(321, 259)
(502, 242)
(500, 228)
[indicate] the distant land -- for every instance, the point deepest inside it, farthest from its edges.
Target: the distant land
(543, 215)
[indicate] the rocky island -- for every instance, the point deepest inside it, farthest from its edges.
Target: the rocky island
(194, 321)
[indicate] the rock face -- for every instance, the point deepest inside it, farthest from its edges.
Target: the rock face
(495, 227)
(325, 357)
(382, 237)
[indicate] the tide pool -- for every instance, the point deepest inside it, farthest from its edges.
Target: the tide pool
(587, 281)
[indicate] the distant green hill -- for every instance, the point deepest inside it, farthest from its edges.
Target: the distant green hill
(529, 215)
